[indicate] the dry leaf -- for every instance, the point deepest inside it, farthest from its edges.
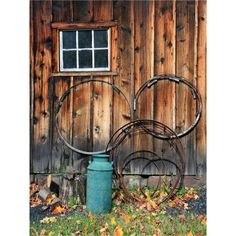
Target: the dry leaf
(185, 206)
(118, 231)
(171, 203)
(113, 221)
(149, 207)
(90, 216)
(127, 218)
(59, 210)
(85, 229)
(203, 221)
(190, 233)
(50, 233)
(182, 217)
(153, 204)
(42, 232)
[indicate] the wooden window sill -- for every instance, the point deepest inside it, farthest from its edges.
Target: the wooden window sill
(85, 74)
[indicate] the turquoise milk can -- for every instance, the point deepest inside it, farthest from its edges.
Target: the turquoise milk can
(99, 184)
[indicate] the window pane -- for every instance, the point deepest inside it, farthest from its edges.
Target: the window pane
(101, 58)
(85, 39)
(100, 38)
(85, 59)
(69, 59)
(69, 39)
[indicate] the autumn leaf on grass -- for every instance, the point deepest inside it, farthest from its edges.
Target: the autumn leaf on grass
(127, 219)
(50, 233)
(103, 229)
(190, 233)
(85, 229)
(42, 232)
(203, 220)
(147, 196)
(113, 221)
(171, 203)
(149, 207)
(153, 204)
(59, 210)
(118, 231)
(47, 220)
(90, 216)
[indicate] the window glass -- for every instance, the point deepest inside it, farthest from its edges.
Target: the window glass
(85, 39)
(100, 38)
(84, 50)
(69, 59)
(69, 39)
(101, 58)
(85, 59)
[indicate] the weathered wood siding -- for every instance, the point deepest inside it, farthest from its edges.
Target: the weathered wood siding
(151, 38)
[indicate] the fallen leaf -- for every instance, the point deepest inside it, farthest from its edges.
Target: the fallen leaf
(147, 196)
(113, 221)
(42, 232)
(90, 216)
(85, 229)
(59, 210)
(154, 205)
(50, 233)
(78, 222)
(185, 206)
(171, 203)
(118, 231)
(149, 207)
(190, 233)
(127, 218)
(182, 217)
(203, 221)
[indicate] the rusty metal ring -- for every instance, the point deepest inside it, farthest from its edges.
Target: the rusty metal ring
(130, 197)
(176, 79)
(59, 105)
(148, 126)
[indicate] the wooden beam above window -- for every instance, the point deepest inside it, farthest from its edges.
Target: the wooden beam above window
(92, 25)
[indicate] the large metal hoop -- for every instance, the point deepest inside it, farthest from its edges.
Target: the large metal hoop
(59, 105)
(176, 79)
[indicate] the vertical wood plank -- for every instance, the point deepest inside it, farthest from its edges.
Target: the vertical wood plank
(164, 92)
(122, 13)
(42, 68)
(31, 85)
(165, 61)
(82, 136)
(201, 85)
(185, 20)
(102, 93)
(103, 10)
(144, 66)
(62, 11)
(61, 155)
(83, 11)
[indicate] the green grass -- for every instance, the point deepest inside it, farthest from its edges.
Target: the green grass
(131, 219)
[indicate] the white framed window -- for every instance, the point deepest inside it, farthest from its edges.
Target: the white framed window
(85, 50)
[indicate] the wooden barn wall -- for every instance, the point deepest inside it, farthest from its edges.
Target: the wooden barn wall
(151, 38)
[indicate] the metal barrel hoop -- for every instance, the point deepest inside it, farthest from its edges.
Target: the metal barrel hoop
(155, 129)
(175, 79)
(131, 197)
(150, 127)
(59, 105)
